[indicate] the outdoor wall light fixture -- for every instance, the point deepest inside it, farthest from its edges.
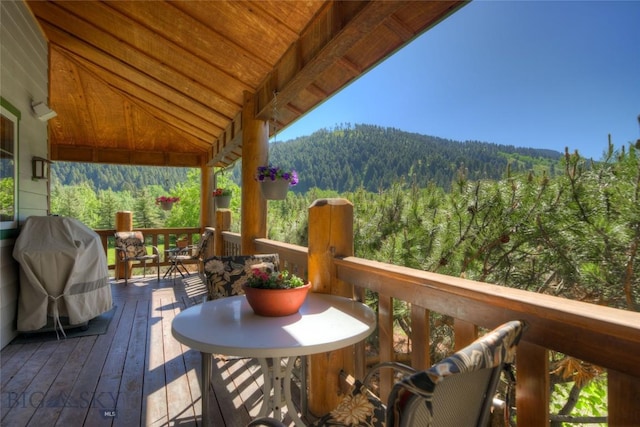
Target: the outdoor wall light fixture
(39, 168)
(42, 111)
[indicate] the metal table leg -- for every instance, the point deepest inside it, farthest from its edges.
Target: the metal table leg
(206, 384)
(276, 389)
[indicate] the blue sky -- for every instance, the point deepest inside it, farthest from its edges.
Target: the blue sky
(544, 74)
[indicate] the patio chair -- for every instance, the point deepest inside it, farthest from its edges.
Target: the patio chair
(458, 391)
(130, 247)
(226, 274)
(189, 254)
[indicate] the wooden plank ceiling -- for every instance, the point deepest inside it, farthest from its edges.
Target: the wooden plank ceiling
(163, 82)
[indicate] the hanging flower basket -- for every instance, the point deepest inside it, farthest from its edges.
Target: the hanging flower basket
(222, 202)
(222, 197)
(166, 202)
(274, 190)
(275, 181)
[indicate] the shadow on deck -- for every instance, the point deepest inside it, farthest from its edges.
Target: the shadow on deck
(134, 374)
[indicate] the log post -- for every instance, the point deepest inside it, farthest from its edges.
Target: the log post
(330, 235)
(206, 201)
(223, 223)
(255, 152)
(124, 222)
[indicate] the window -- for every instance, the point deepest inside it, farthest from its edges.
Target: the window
(8, 168)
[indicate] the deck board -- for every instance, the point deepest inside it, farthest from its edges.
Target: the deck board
(136, 369)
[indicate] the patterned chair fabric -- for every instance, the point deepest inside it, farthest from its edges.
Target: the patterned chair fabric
(130, 247)
(458, 391)
(358, 408)
(226, 275)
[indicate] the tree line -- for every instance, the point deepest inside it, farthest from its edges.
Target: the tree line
(373, 158)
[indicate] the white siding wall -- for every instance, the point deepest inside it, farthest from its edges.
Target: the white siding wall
(23, 78)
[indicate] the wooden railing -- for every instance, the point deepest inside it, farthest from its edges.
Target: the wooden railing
(607, 337)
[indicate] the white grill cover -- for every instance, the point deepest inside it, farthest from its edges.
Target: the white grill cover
(63, 272)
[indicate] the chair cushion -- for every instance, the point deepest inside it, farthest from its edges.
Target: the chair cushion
(132, 243)
(358, 408)
(444, 382)
(226, 275)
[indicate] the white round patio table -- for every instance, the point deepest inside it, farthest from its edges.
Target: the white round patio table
(228, 326)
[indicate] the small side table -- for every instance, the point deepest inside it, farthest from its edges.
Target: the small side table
(176, 263)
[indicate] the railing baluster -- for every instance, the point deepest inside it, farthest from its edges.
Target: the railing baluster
(623, 392)
(464, 333)
(420, 337)
(385, 334)
(532, 385)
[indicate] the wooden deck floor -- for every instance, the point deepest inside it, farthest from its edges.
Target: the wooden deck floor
(136, 374)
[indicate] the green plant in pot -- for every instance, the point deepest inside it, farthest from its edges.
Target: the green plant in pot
(222, 196)
(218, 192)
(275, 293)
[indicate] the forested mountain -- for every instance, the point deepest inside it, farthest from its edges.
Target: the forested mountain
(115, 177)
(346, 158)
(373, 157)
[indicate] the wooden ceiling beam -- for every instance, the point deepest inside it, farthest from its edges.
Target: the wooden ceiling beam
(115, 72)
(330, 35)
(199, 123)
(155, 44)
(398, 27)
(353, 68)
(171, 114)
(209, 40)
(103, 43)
(73, 153)
(228, 147)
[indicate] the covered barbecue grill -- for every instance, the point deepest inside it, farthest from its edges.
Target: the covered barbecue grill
(64, 277)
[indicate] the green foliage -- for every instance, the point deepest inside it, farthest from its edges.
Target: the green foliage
(273, 279)
(7, 202)
(592, 402)
(186, 213)
(110, 202)
(78, 201)
(116, 177)
(145, 211)
(575, 235)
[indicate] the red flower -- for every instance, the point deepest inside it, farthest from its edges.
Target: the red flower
(165, 199)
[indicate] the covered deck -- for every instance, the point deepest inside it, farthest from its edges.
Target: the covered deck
(136, 373)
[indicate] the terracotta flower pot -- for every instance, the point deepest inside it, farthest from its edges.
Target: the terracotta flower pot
(276, 302)
(166, 205)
